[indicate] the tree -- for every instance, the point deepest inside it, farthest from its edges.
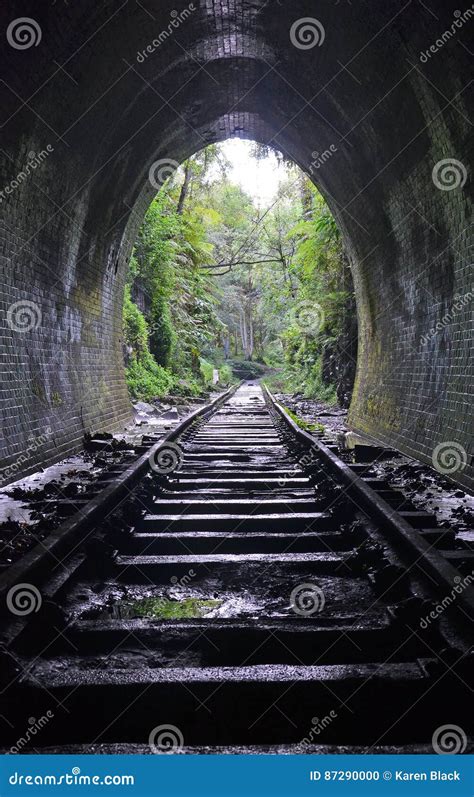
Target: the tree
(223, 278)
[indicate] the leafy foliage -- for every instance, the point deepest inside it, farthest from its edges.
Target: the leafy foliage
(146, 379)
(220, 283)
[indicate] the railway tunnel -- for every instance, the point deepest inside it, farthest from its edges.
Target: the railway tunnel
(240, 583)
(101, 99)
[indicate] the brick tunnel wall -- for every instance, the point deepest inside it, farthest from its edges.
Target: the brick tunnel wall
(100, 93)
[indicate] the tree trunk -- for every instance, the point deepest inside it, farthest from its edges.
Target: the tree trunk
(243, 331)
(226, 344)
(250, 336)
(184, 188)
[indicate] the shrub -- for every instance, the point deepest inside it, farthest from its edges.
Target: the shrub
(226, 376)
(135, 329)
(207, 371)
(162, 336)
(146, 379)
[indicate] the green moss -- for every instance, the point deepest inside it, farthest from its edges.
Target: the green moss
(88, 301)
(383, 410)
(307, 426)
(164, 609)
(37, 388)
(56, 399)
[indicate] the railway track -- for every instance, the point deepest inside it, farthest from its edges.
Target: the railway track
(239, 588)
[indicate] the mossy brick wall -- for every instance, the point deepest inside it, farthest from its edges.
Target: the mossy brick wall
(104, 114)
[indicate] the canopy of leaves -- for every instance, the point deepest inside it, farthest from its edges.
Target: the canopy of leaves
(219, 279)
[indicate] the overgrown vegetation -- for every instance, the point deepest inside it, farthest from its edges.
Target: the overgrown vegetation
(146, 379)
(216, 283)
(307, 426)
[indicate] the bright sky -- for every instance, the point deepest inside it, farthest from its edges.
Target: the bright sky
(260, 179)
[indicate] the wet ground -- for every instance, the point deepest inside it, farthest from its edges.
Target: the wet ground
(27, 507)
(248, 591)
(168, 625)
(424, 486)
(332, 417)
(252, 593)
(28, 512)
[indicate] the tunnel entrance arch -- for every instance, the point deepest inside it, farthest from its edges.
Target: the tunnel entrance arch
(383, 130)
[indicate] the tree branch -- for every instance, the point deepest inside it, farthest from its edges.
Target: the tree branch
(241, 263)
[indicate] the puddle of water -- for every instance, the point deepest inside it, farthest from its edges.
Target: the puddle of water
(247, 592)
(162, 609)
